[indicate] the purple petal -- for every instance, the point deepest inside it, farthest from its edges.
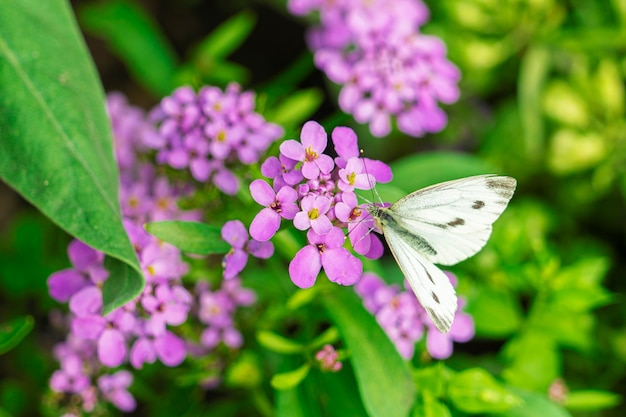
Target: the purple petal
(271, 168)
(265, 225)
(89, 327)
(86, 302)
(313, 135)
(232, 338)
(261, 250)
(226, 181)
(341, 266)
(111, 348)
(438, 344)
(262, 193)
(380, 170)
(142, 352)
(462, 329)
(310, 170)
(235, 233)
(292, 149)
(82, 256)
(301, 221)
(305, 267)
(325, 163)
(321, 225)
(210, 337)
(200, 169)
(63, 284)
(235, 262)
(170, 349)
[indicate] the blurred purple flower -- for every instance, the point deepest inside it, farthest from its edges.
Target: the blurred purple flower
(328, 359)
(115, 389)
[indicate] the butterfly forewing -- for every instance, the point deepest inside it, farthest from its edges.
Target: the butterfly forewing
(454, 217)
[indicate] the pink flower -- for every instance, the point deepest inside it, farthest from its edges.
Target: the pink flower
(278, 205)
(325, 251)
(313, 214)
(310, 151)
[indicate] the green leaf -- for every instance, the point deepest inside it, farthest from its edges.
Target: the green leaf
(496, 313)
(227, 37)
(420, 170)
(296, 108)
(55, 137)
(591, 400)
(383, 377)
(136, 39)
(13, 332)
(192, 237)
(433, 379)
(278, 343)
(476, 391)
(290, 379)
(534, 361)
(533, 72)
(533, 405)
(330, 336)
(300, 401)
(430, 406)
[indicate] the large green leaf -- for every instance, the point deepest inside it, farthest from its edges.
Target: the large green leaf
(55, 137)
(384, 379)
(136, 39)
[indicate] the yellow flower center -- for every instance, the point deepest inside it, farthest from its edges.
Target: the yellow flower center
(314, 214)
(310, 154)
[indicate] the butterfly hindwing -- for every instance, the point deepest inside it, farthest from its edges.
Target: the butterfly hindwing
(431, 286)
(454, 217)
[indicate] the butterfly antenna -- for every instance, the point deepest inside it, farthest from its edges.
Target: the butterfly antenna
(375, 195)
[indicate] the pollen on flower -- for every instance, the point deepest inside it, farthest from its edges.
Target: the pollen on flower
(314, 214)
(351, 178)
(221, 136)
(310, 154)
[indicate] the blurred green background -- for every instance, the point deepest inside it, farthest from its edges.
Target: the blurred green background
(542, 100)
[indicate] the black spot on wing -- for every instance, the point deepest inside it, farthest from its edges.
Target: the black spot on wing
(435, 297)
(430, 277)
(456, 222)
(478, 205)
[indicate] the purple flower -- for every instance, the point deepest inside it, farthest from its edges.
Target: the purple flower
(313, 214)
(168, 305)
(309, 151)
(278, 205)
(70, 378)
(354, 176)
(325, 251)
(88, 270)
(115, 389)
(235, 233)
(167, 347)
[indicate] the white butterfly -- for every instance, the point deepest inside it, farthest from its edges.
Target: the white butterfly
(444, 224)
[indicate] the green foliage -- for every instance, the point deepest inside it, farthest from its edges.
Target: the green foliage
(191, 237)
(13, 332)
(543, 101)
(137, 40)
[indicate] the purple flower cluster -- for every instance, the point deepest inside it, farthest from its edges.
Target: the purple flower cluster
(139, 332)
(317, 193)
(385, 66)
(207, 131)
(217, 309)
(405, 321)
(328, 359)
